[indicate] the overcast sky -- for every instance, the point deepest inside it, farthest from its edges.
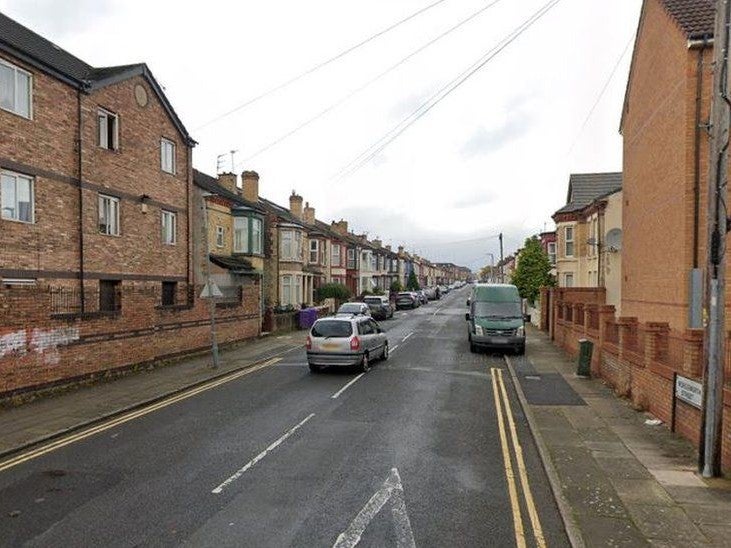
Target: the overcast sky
(494, 156)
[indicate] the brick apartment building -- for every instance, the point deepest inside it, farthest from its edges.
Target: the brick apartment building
(97, 264)
(658, 335)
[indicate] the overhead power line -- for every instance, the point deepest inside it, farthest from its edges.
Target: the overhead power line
(369, 82)
(320, 65)
(601, 94)
(370, 152)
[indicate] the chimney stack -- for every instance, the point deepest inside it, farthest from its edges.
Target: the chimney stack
(228, 181)
(388, 247)
(250, 186)
(295, 205)
(309, 216)
(341, 227)
(400, 250)
(377, 243)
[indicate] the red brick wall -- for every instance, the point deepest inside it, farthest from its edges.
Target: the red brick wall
(36, 350)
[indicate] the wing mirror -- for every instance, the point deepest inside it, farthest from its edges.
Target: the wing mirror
(469, 302)
(467, 316)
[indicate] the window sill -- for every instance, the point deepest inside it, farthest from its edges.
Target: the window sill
(19, 221)
(174, 307)
(115, 314)
(28, 118)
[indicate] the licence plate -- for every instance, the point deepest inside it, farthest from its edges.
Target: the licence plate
(329, 346)
(496, 340)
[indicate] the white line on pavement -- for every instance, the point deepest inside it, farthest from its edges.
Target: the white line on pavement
(407, 336)
(395, 346)
(392, 489)
(261, 455)
(435, 312)
(344, 388)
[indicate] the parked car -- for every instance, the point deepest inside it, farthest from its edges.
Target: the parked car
(444, 289)
(406, 299)
(380, 306)
(345, 342)
(495, 318)
(421, 295)
(431, 293)
(356, 309)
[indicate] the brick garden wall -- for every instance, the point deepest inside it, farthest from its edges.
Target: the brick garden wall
(38, 348)
(639, 360)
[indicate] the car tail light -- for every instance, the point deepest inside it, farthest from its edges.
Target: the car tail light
(308, 343)
(355, 343)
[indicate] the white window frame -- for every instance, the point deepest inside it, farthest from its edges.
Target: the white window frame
(241, 234)
(351, 259)
(167, 164)
(31, 184)
(17, 70)
(114, 228)
(256, 229)
(220, 236)
(103, 136)
(316, 250)
(286, 247)
(297, 245)
(169, 226)
(335, 254)
(568, 241)
(287, 289)
(566, 277)
(552, 252)
(297, 290)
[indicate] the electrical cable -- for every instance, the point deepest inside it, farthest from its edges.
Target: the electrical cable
(370, 152)
(319, 65)
(368, 83)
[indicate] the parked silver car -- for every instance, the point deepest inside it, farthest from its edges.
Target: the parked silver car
(345, 342)
(354, 308)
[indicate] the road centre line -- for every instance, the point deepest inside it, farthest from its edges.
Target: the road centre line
(407, 336)
(395, 346)
(344, 388)
(508, 465)
(530, 504)
(72, 438)
(240, 472)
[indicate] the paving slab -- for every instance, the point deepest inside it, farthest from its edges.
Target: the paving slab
(623, 482)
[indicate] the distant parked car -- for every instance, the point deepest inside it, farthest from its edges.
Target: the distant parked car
(406, 299)
(345, 342)
(380, 306)
(421, 295)
(431, 293)
(355, 309)
(444, 289)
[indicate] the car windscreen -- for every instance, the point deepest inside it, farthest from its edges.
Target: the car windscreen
(504, 310)
(331, 328)
(372, 300)
(404, 295)
(350, 309)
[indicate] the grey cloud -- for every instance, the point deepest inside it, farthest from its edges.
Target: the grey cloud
(474, 199)
(57, 19)
(485, 141)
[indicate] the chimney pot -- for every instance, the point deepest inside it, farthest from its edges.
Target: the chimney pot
(250, 186)
(228, 181)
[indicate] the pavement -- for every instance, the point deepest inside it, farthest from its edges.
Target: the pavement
(430, 448)
(620, 481)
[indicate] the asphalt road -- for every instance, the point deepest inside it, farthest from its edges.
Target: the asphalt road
(411, 453)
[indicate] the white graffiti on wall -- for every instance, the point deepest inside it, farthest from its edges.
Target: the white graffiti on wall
(11, 343)
(42, 341)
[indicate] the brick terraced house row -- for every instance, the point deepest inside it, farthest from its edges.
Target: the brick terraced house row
(96, 269)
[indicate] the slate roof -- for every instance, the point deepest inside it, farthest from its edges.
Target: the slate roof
(695, 17)
(237, 265)
(37, 51)
(210, 184)
(584, 188)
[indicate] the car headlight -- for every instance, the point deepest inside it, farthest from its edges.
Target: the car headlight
(478, 330)
(520, 332)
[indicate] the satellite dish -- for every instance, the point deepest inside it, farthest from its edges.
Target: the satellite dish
(614, 240)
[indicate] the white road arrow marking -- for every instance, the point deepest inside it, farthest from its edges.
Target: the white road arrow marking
(391, 489)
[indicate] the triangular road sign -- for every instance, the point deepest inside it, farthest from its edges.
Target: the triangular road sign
(210, 290)
(392, 490)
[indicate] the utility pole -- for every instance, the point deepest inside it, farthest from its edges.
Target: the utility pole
(209, 286)
(710, 450)
(502, 266)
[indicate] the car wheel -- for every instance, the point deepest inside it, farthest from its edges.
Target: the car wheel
(384, 356)
(365, 364)
(473, 346)
(314, 368)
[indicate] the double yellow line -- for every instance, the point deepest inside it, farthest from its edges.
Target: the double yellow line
(72, 438)
(501, 399)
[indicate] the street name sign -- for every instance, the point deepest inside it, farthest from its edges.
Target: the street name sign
(689, 391)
